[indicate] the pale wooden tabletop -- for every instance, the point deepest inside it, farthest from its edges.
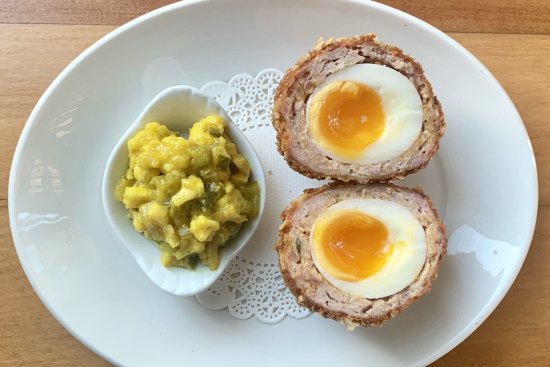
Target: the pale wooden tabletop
(38, 38)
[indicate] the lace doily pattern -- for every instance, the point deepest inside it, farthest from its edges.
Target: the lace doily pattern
(249, 287)
(246, 99)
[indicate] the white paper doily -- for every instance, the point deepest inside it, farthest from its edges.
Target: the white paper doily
(252, 284)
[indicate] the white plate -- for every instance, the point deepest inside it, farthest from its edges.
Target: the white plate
(85, 277)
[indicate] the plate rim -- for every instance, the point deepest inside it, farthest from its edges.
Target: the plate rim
(497, 296)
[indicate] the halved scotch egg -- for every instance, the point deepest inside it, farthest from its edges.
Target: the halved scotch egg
(360, 254)
(357, 110)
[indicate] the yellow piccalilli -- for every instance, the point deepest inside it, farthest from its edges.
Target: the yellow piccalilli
(191, 195)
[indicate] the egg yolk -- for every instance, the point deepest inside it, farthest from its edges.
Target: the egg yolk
(346, 117)
(351, 245)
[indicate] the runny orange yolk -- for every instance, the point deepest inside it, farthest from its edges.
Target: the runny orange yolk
(346, 117)
(351, 245)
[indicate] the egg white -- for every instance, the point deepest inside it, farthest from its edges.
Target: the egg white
(402, 108)
(406, 260)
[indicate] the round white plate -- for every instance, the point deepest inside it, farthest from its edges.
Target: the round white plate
(90, 283)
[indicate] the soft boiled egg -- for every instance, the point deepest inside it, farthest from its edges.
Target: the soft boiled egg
(370, 248)
(364, 113)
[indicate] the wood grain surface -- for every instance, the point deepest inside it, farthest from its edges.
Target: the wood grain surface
(38, 38)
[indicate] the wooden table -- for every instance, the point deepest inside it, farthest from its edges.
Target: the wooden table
(38, 38)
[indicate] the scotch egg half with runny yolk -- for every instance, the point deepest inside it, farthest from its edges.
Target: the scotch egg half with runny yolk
(370, 248)
(364, 114)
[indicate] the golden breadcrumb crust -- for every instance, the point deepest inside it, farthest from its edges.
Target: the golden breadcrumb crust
(307, 284)
(290, 95)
